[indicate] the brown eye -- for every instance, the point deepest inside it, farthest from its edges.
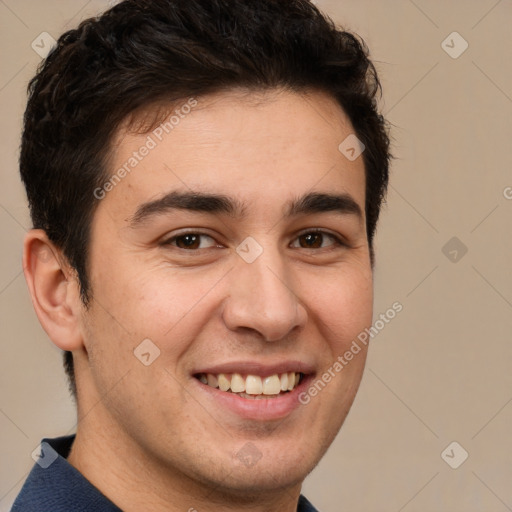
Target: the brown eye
(317, 240)
(191, 241)
(311, 240)
(188, 242)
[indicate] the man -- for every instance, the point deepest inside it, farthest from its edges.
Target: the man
(205, 179)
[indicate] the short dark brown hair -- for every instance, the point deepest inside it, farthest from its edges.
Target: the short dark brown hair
(143, 52)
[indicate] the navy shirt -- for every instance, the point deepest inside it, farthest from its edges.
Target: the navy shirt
(54, 485)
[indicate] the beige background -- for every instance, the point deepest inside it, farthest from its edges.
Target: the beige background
(440, 371)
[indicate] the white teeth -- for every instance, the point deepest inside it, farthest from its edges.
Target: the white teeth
(224, 382)
(237, 383)
(252, 385)
(284, 382)
(291, 380)
(271, 385)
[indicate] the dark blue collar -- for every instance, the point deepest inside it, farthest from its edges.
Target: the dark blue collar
(54, 485)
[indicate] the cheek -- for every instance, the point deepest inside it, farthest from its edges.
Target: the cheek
(343, 306)
(166, 305)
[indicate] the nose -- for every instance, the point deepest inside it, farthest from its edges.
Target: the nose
(261, 298)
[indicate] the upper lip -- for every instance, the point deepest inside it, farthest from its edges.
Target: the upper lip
(257, 368)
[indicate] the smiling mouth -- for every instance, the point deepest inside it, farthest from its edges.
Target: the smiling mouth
(252, 386)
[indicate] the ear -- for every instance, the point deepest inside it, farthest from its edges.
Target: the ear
(54, 290)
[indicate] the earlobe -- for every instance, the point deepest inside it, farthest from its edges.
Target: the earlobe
(54, 290)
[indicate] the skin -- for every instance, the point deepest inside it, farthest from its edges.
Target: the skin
(166, 445)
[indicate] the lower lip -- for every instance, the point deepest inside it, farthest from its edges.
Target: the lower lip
(259, 409)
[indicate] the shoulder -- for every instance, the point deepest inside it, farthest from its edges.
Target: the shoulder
(305, 505)
(53, 485)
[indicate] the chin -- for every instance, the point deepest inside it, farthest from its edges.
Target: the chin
(276, 467)
(251, 483)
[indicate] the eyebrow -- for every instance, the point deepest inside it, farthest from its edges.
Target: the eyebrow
(198, 202)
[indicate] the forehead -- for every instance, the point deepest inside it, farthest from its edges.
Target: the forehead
(262, 147)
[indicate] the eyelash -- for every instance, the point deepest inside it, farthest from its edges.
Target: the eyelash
(338, 242)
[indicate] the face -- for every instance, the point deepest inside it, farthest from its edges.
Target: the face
(236, 248)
